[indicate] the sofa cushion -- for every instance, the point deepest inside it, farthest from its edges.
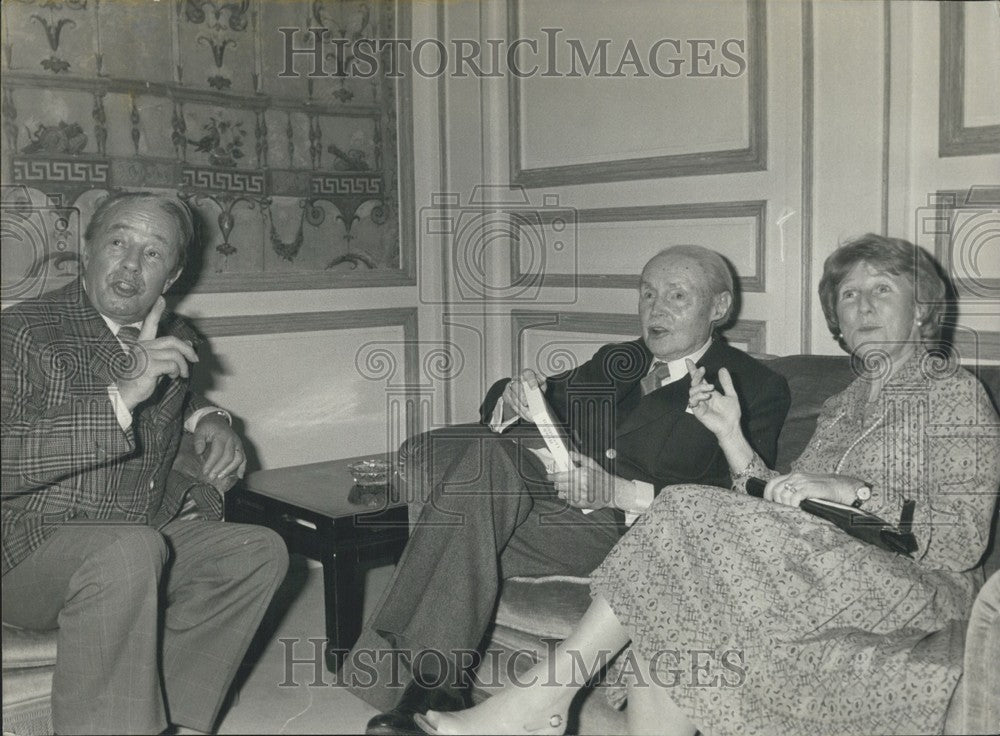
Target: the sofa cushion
(23, 648)
(812, 379)
(547, 607)
(27, 694)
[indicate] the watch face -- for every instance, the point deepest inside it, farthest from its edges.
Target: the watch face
(864, 493)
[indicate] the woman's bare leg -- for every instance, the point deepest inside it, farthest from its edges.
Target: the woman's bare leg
(541, 706)
(652, 711)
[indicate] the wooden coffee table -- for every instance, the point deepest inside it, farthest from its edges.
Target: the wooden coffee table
(308, 506)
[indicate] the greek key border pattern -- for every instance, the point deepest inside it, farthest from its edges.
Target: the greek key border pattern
(35, 170)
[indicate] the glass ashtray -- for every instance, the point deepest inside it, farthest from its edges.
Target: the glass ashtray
(371, 472)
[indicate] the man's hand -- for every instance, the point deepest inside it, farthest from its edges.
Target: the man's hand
(157, 356)
(225, 454)
(794, 488)
(587, 485)
(514, 395)
(719, 412)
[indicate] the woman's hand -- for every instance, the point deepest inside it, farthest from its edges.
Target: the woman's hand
(720, 413)
(794, 488)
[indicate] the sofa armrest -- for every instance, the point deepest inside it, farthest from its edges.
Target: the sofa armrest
(975, 708)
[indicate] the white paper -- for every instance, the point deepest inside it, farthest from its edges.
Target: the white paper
(548, 428)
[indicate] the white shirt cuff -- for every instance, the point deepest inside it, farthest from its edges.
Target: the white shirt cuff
(644, 495)
(122, 414)
(497, 424)
(192, 421)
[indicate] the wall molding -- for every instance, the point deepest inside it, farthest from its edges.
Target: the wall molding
(751, 331)
(405, 169)
(271, 324)
(954, 137)
(755, 209)
(886, 108)
(751, 158)
(808, 128)
(985, 346)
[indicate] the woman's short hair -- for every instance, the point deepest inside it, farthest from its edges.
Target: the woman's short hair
(174, 208)
(718, 275)
(894, 256)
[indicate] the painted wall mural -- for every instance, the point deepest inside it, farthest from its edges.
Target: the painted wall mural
(294, 178)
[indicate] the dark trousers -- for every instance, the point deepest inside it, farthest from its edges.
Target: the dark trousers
(492, 516)
(152, 624)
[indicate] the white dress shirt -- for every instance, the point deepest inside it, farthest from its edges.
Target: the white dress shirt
(122, 413)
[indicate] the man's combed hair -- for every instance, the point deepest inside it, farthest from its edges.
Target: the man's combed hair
(894, 256)
(172, 207)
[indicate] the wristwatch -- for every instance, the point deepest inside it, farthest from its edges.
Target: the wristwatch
(861, 494)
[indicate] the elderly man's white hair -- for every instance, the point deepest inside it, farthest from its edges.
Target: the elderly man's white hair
(718, 276)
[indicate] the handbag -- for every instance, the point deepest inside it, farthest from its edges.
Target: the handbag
(859, 524)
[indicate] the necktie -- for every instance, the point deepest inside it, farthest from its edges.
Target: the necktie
(129, 335)
(656, 376)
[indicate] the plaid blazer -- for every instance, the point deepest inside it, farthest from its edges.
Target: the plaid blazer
(65, 457)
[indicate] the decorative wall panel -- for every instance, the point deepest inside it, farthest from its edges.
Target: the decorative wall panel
(957, 137)
(556, 138)
(337, 384)
(294, 178)
(737, 230)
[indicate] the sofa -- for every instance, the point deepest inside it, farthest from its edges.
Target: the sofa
(532, 611)
(29, 657)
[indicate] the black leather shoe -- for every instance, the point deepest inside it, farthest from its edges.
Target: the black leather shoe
(416, 699)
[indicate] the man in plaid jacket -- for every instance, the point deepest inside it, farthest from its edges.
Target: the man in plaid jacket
(96, 403)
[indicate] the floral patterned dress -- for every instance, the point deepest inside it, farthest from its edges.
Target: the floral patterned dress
(761, 618)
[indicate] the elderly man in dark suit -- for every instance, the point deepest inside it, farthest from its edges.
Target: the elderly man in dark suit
(155, 609)
(499, 508)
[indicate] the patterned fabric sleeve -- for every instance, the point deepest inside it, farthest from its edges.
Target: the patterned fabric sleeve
(42, 444)
(756, 468)
(962, 475)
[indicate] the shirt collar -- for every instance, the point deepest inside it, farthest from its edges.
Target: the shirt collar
(112, 325)
(679, 367)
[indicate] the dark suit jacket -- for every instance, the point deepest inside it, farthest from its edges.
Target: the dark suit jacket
(651, 438)
(65, 457)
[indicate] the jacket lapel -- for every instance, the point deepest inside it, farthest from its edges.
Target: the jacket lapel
(88, 332)
(670, 400)
(103, 353)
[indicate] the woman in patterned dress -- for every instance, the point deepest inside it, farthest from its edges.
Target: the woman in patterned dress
(751, 616)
